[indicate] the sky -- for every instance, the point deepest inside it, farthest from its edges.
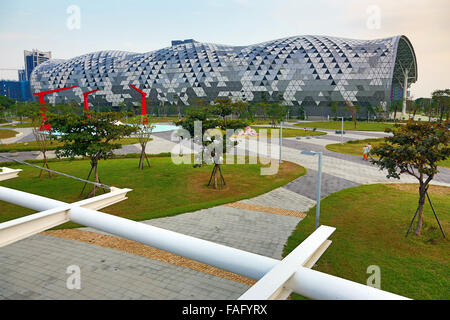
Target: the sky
(70, 28)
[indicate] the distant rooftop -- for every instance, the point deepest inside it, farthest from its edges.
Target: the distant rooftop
(177, 42)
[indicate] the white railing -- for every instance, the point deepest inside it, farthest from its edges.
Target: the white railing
(277, 279)
(7, 173)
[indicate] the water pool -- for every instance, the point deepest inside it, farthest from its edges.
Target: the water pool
(156, 128)
(164, 127)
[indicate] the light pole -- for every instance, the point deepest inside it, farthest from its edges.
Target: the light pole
(319, 180)
(281, 139)
(342, 130)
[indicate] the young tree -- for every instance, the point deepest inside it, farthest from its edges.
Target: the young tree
(334, 107)
(371, 110)
(415, 149)
(354, 110)
(222, 107)
(275, 112)
(92, 137)
(6, 103)
(442, 100)
(32, 111)
(143, 131)
(203, 114)
(395, 106)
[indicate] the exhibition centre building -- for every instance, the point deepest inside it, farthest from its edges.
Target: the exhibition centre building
(308, 71)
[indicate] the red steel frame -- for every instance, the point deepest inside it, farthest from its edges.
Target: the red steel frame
(144, 104)
(46, 126)
(86, 105)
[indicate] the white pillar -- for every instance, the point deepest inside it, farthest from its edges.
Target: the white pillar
(405, 90)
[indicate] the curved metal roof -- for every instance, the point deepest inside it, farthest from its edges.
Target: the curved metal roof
(303, 69)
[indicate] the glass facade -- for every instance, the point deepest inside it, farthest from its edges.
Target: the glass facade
(17, 90)
(308, 71)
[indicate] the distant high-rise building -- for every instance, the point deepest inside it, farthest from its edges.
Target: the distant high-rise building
(33, 58)
(21, 75)
(17, 90)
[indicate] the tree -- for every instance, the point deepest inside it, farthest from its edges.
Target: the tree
(241, 109)
(222, 107)
(30, 110)
(203, 114)
(397, 104)
(6, 102)
(415, 149)
(354, 110)
(370, 111)
(198, 102)
(275, 112)
(442, 100)
(414, 107)
(91, 137)
(143, 132)
(334, 107)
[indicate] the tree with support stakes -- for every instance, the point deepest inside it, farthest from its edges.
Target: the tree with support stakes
(211, 140)
(415, 149)
(43, 140)
(143, 132)
(92, 137)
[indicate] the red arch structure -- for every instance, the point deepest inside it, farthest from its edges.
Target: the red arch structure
(46, 126)
(86, 104)
(144, 104)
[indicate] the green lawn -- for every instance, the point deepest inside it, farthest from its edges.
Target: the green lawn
(152, 119)
(348, 125)
(24, 124)
(164, 189)
(4, 133)
(371, 222)
(355, 148)
(33, 146)
(289, 132)
(268, 122)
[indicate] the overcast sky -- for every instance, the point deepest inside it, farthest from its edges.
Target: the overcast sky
(141, 26)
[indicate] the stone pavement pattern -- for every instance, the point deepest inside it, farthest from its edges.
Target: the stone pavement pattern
(35, 268)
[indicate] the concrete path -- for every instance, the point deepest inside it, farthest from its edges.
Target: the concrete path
(36, 268)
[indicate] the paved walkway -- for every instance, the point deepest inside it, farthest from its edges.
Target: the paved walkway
(34, 268)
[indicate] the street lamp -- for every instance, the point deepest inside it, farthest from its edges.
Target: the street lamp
(342, 130)
(281, 139)
(319, 180)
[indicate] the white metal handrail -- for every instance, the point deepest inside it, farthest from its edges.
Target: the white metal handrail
(276, 278)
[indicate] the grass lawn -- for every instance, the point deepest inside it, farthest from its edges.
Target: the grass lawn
(289, 132)
(371, 222)
(152, 119)
(355, 148)
(24, 124)
(268, 122)
(33, 146)
(4, 133)
(164, 189)
(348, 125)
